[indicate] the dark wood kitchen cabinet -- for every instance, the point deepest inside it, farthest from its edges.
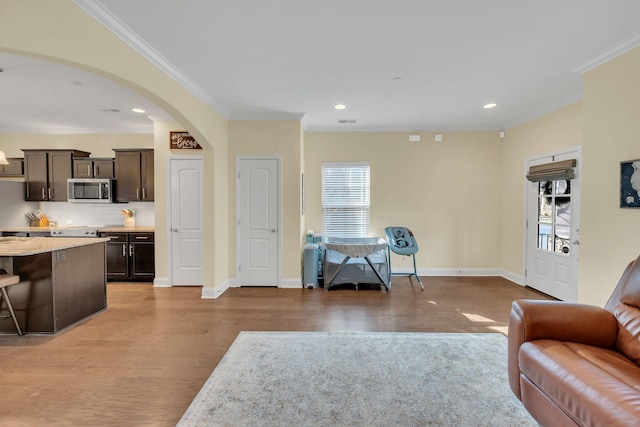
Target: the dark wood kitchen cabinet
(46, 173)
(134, 175)
(14, 168)
(130, 257)
(95, 167)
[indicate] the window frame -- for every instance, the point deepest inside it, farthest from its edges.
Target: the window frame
(357, 200)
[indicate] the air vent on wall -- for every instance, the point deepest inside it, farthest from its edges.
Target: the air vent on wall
(343, 121)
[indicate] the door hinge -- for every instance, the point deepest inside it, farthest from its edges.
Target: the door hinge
(238, 175)
(239, 268)
(525, 272)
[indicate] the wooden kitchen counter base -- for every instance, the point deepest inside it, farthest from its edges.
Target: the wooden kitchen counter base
(62, 281)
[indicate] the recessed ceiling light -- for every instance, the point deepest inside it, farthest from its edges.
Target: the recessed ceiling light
(340, 106)
(489, 106)
(138, 110)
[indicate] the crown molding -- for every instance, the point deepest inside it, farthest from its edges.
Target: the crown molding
(76, 131)
(349, 128)
(111, 22)
(608, 54)
(266, 116)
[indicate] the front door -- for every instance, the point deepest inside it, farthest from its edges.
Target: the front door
(553, 208)
(257, 221)
(186, 221)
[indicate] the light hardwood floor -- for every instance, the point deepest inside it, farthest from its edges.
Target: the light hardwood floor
(141, 362)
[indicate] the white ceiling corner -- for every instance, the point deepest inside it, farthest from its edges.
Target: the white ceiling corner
(608, 54)
(97, 11)
(291, 60)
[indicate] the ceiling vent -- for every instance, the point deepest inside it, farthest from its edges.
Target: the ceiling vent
(110, 110)
(343, 121)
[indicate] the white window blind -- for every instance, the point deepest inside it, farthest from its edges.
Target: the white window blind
(345, 199)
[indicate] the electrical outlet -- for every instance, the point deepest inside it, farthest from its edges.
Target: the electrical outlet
(59, 257)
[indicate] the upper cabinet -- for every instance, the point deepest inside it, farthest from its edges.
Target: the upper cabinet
(14, 168)
(134, 175)
(94, 167)
(46, 173)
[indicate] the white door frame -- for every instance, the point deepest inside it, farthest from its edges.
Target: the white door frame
(278, 159)
(574, 235)
(168, 209)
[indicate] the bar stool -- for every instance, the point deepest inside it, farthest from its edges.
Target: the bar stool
(6, 281)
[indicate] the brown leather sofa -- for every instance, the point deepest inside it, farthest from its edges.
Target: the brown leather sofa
(574, 364)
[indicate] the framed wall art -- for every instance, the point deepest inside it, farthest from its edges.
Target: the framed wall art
(630, 184)
(183, 141)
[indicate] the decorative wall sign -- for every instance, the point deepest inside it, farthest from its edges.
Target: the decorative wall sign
(630, 184)
(183, 141)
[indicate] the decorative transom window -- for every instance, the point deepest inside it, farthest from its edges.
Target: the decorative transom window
(345, 199)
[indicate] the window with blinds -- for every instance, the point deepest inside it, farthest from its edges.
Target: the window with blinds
(345, 199)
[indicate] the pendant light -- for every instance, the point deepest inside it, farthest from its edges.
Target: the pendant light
(3, 159)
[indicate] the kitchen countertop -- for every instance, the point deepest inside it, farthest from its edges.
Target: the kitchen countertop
(108, 228)
(136, 229)
(22, 246)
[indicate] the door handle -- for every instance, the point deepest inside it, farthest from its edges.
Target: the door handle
(273, 230)
(130, 250)
(175, 230)
(124, 249)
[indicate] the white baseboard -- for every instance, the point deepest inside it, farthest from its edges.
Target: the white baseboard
(284, 283)
(214, 293)
(462, 272)
(515, 278)
(291, 283)
(161, 282)
(459, 272)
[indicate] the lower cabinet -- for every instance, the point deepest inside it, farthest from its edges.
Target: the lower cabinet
(130, 257)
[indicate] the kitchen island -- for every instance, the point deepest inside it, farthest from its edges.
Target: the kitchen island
(62, 281)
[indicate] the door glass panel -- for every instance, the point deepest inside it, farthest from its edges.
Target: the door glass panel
(554, 216)
(544, 236)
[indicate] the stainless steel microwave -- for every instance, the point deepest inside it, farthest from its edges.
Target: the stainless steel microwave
(90, 190)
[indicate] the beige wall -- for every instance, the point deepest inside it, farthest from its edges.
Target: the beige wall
(447, 193)
(609, 236)
(99, 145)
(61, 32)
(272, 138)
(553, 132)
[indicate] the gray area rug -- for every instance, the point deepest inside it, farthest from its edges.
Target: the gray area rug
(359, 379)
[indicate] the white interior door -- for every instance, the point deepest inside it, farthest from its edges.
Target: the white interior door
(257, 212)
(553, 226)
(186, 222)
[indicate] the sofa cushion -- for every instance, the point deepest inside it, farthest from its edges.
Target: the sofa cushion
(628, 340)
(592, 385)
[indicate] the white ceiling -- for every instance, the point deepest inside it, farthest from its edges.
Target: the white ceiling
(256, 59)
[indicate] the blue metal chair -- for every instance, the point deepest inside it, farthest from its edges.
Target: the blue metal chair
(402, 242)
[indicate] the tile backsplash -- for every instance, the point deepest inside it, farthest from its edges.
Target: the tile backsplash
(97, 214)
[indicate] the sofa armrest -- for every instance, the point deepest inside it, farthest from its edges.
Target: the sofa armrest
(556, 320)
